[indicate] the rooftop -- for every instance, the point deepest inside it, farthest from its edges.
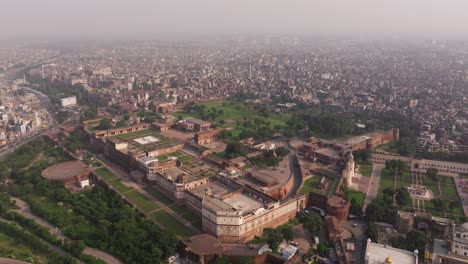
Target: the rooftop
(378, 254)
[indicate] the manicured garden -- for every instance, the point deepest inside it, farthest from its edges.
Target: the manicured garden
(170, 223)
(310, 185)
(141, 201)
(365, 170)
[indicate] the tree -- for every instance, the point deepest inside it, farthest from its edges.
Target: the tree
(323, 250)
(402, 197)
(287, 232)
(375, 212)
(104, 124)
(221, 260)
(245, 260)
(355, 208)
(234, 150)
(273, 238)
(281, 151)
(312, 222)
(371, 232)
(432, 173)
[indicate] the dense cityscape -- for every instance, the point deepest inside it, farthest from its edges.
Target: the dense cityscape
(232, 148)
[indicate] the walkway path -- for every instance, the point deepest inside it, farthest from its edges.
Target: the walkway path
(373, 188)
(25, 211)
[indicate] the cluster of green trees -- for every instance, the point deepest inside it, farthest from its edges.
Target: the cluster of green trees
(362, 156)
(234, 149)
(266, 159)
(432, 173)
(396, 165)
(312, 222)
(148, 117)
(258, 128)
(98, 217)
(204, 112)
(105, 124)
(415, 239)
(75, 140)
(382, 209)
(322, 123)
(242, 96)
(20, 234)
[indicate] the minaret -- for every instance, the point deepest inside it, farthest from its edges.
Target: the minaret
(348, 172)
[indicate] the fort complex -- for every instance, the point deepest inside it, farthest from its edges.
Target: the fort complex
(230, 202)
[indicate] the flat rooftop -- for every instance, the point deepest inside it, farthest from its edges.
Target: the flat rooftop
(357, 139)
(146, 139)
(328, 151)
(218, 189)
(243, 202)
(378, 253)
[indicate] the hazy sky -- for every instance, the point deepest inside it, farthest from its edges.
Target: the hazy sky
(25, 18)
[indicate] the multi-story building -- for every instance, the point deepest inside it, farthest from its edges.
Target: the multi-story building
(230, 210)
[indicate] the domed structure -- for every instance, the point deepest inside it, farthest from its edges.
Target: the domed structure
(388, 260)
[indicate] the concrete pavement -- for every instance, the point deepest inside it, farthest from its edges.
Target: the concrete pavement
(373, 188)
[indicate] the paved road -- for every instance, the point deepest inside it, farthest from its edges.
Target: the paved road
(302, 237)
(25, 211)
(296, 171)
(374, 182)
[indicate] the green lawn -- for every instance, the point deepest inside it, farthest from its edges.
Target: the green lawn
(236, 111)
(310, 185)
(158, 196)
(116, 184)
(404, 179)
(181, 210)
(365, 170)
(333, 188)
(10, 247)
(449, 190)
(141, 201)
(105, 174)
(359, 196)
(170, 223)
(386, 179)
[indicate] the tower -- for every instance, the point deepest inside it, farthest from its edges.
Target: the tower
(348, 171)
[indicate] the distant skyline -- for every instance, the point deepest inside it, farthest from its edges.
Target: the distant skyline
(109, 18)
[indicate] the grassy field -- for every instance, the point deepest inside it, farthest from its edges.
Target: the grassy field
(158, 196)
(365, 170)
(310, 185)
(170, 223)
(106, 174)
(181, 210)
(118, 185)
(430, 184)
(404, 179)
(449, 188)
(236, 111)
(10, 247)
(359, 196)
(141, 201)
(386, 179)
